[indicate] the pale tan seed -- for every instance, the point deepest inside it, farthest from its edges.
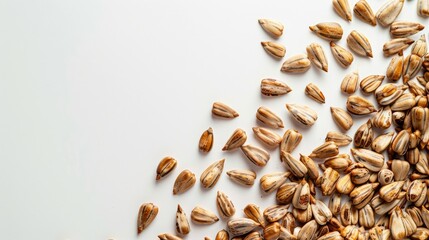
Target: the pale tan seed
(308, 231)
(206, 141)
(328, 181)
(389, 93)
(272, 181)
(385, 177)
(370, 159)
(343, 57)
(312, 170)
(272, 27)
(256, 155)
(285, 192)
(272, 231)
(394, 70)
(423, 8)
(360, 175)
(317, 56)
(419, 48)
(382, 142)
(349, 83)
(340, 139)
(255, 235)
(400, 168)
(211, 175)
(302, 215)
(391, 191)
(396, 46)
(147, 213)
(274, 49)
(389, 11)
(236, 140)
(366, 217)
(243, 177)
(289, 222)
(335, 203)
(291, 139)
(326, 150)
(267, 136)
(359, 44)
(330, 31)
(400, 29)
(412, 65)
(383, 118)
(364, 135)
(182, 224)
(272, 87)
(269, 118)
(339, 162)
(241, 226)
(362, 195)
(342, 118)
(400, 142)
(321, 212)
(275, 212)
(364, 12)
(370, 83)
(301, 198)
(222, 110)
(349, 215)
(184, 181)
(165, 166)
(200, 215)
(296, 64)
(359, 105)
(295, 166)
(302, 114)
(342, 8)
(224, 205)
(168, 236)
(344, 184)
(415, 86)
(314, 93)
(253, 212)
(415, 190)
(397, 228)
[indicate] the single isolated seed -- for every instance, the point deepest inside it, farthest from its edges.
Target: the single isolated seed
(349, 83)
(343, 57)
(340, 139)
(396, 46)
(342, 8)
(394, 70)
(272, 27)
(269, 118)
(274, 49)
(206, 140)
(236, 140)
(272, 87)
(296, 64)
(364, 12)
(211, 175)
(165, 166)
(256, 155)
(147, 214)
(241, 226)
(184, 182)
(243, 177)
(389, 11)
(359, 44)
(200, 215)
(224, 205)
(302, 114)
(330, 31)
(314, 93)
(182, 224)
(359, 105)
(291, 139)
(267, 136)
(400, 29)
(222, 110)
(371, 83)
(317, 56)
(342, 118)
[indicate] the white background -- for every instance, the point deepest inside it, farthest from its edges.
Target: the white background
(94, 93)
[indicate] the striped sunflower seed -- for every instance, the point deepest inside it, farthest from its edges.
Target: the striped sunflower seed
(301, 198)
(295, 166)
(328, 181)
(326, 150)
(243, 177)
(312, 170)
(267, 136)
(165, 166)
(317, 56)
(269, 118)
(359, 105)
(255, 235)
(184, 182)
(349, 215)
(241, 226)
(206, 141)
(370, 159)
(224, 205)
(274, 49)
(296, 64)
(400, 29)
(253, 212)
(285, 192)
(412, 65)
(343, 57)
(330, 31)
(289, 222)
(182, 224)
(344, 184)
(222, 110)
(275, 212)
(308, 231)
(389, 11)
(321, 212)
(364, 135)
(359, 44)
(256, 155)
(349, 83)
(236, 140)
(370, 83)
(415, 86)
(360, 175)
(302, 215)
(291, 139)
(147, 214)
(302, 114)
(211, 175)
(382, 142)
(168, 236)
(363, 194)
(364, 11)
(391, 191)
(314, 93)
(200, 215)
(339, 162)
(396, 46)
(397, 228)
(272, 231)
(389, 93)
(405, 102)
(342, 8)
(383, 118)
(272, 27)
(366, 217)
(423, 8)
(272, 181)
(272, 87)
(335, 203)
(400, 142)
(222, 235)
(394, 70)
(415, 190)
(340, 139)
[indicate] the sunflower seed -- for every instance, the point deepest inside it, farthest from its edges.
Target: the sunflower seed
(296, 167)
(244, 177)
(272, 87)
(394, 70)
(272, 231)
(385, 177)
(330, 31)
(326, 150)
(168, 236)
(371, 160)
(182, 224)
(291, 139)
(252, 211)
(272, 27)
(331, 236)
(270, 182)
(314, 93)
(349, 215)
(391, 191)
(383, 118)
(360, 175)
(308, 231)
(349, 83)
(364, 135)
(339, 162)
(211, 175)
(296, 64)
(335, 203)
(236, 140)
(420, 47)
(359, 106)
(301, 198)
(342, 8)
(312, 170)
(359, 44)
(363, 194)
(275, 212)
(255, 235)
(269, 118)
(224, 205)
(200, 215)
(389, 93)
(267, 136)
(343, 57)
(222, 110)
(400, 142)
(321, 212)
(364, 11)
(317, 56)
(396, 45)
(397, 228)
(241, 226)
(423, 8)
(412, 65)
(302, 215)
(165, 166)
(184, 182)
(379, 233)
(400, 29)
(366, 217)
(344, 184)
(274, 49)
(342, 118)
(389, 11)
(285, 192)
(222, 235)
(405, 102)
(371, 83)
(415, 190)
(340, 139)
(328, 181)
(147, 214)
(380, 143)
(206, 140)
(420, 233)
(416, 215)
(302, 114)
(256, 155)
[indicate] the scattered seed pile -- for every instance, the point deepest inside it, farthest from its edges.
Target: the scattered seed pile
(386, 198)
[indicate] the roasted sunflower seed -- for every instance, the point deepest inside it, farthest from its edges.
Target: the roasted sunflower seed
(165, 166)
(272, 27)
(147, 214)
(343, 57)
(314, 93)
(272, 87)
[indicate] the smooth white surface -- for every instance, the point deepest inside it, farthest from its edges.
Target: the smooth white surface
(93, 93)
